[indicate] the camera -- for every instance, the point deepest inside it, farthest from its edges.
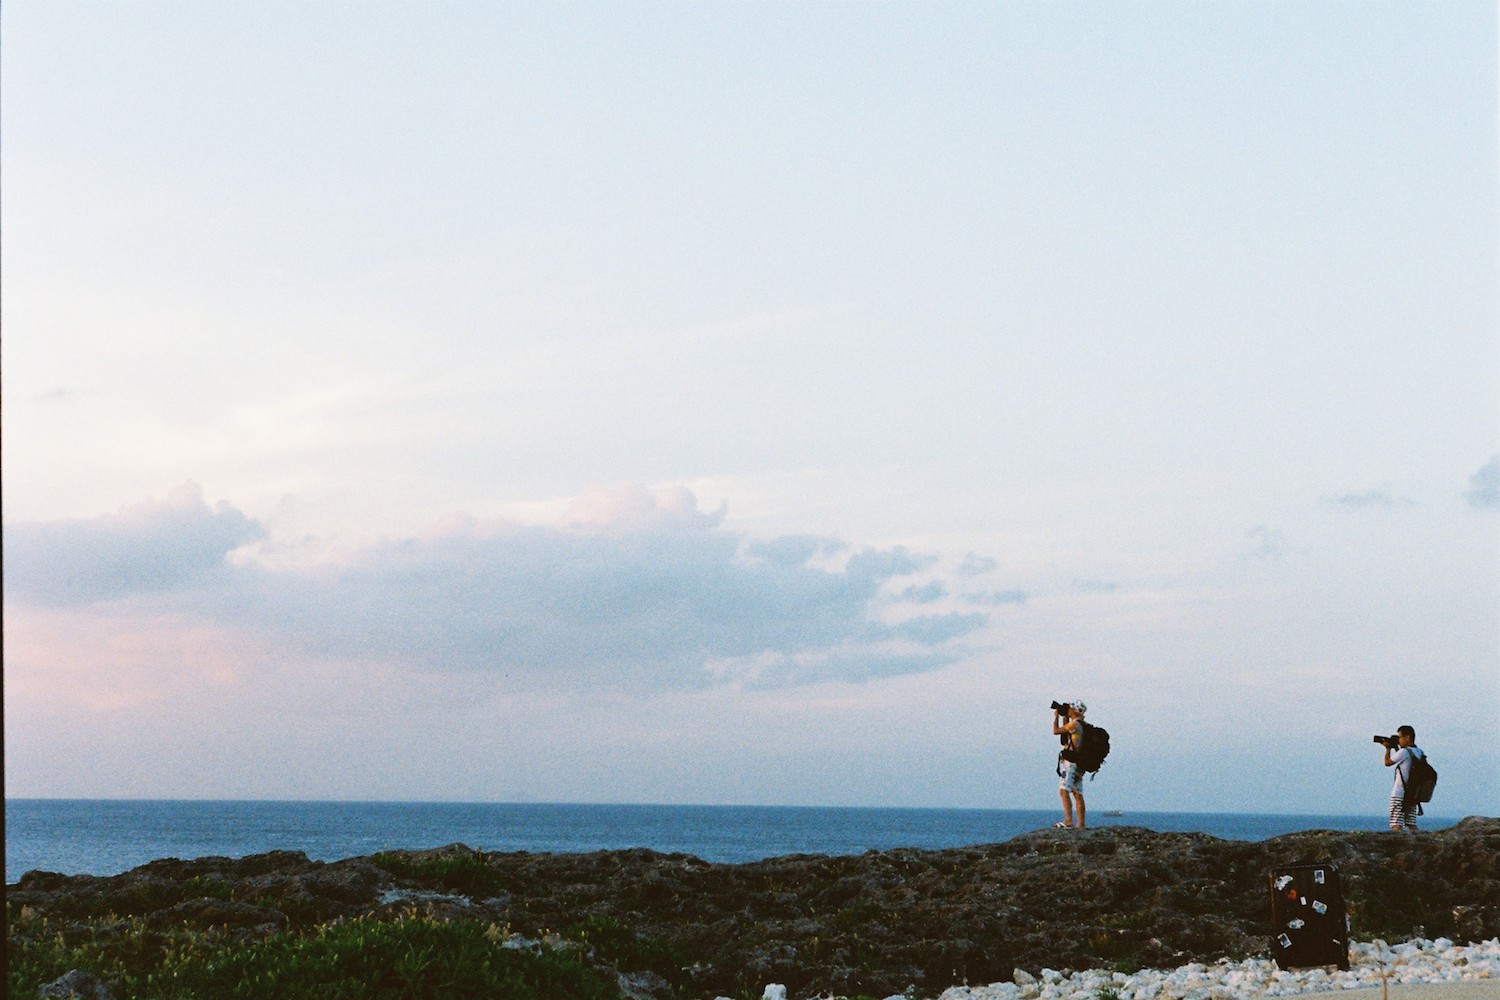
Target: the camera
(1061, 708)
(1388, 741)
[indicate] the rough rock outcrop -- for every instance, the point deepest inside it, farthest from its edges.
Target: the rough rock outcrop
(76, 985)
(874, 923)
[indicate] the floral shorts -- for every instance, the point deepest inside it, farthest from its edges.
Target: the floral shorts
(1072, 779)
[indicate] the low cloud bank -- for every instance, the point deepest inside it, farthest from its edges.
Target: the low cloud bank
(154, 547)
(635, 586)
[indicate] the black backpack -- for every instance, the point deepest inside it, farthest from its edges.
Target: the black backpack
(1421, 781)
(1092, 749)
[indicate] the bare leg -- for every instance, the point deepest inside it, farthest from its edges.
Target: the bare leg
(1067, 805)
(1078, 797)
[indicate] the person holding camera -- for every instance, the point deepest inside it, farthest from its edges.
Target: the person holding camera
(1067, 723)
(1403, 806)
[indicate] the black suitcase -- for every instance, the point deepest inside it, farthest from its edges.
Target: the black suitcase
(1309, 922)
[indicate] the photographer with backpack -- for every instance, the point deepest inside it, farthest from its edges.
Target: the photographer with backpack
(1067, 723)
(1411, 767)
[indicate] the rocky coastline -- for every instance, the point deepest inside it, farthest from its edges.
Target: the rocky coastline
(672, 926)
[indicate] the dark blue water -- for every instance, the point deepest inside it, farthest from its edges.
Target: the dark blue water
(105, 837)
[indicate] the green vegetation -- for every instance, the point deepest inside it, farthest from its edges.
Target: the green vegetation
(466, 874)
(608, 940)
(126, 935)
(360, 959)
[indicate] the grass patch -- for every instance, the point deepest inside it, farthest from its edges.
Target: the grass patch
(363, 959)
(199, 887)
(300, 911)
(466, 874)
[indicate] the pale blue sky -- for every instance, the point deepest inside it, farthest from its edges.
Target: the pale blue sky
(750, 403)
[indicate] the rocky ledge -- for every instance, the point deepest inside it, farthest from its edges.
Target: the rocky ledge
(877, 923)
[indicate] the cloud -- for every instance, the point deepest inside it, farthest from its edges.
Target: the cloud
(995, 599)
(1484, 485)
(634, 507)
(976, 565)
(1371, 499)
(1266, 542)
(635, 586)
(934, 630)
(925, 594)
(780, 670)
(792, 550)
(155, 546)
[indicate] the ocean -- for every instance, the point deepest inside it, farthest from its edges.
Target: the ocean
(109, 836)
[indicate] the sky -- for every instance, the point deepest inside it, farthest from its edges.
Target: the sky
(773, 403)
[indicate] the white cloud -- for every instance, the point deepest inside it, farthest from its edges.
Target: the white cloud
(633, 507)
(157, 545)
(637, 587)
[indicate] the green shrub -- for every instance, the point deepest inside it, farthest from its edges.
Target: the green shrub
(466, 874)
(370, 960)
(39, 949)
(363, 959)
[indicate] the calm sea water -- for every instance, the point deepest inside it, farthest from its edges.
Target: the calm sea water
(105, 837)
